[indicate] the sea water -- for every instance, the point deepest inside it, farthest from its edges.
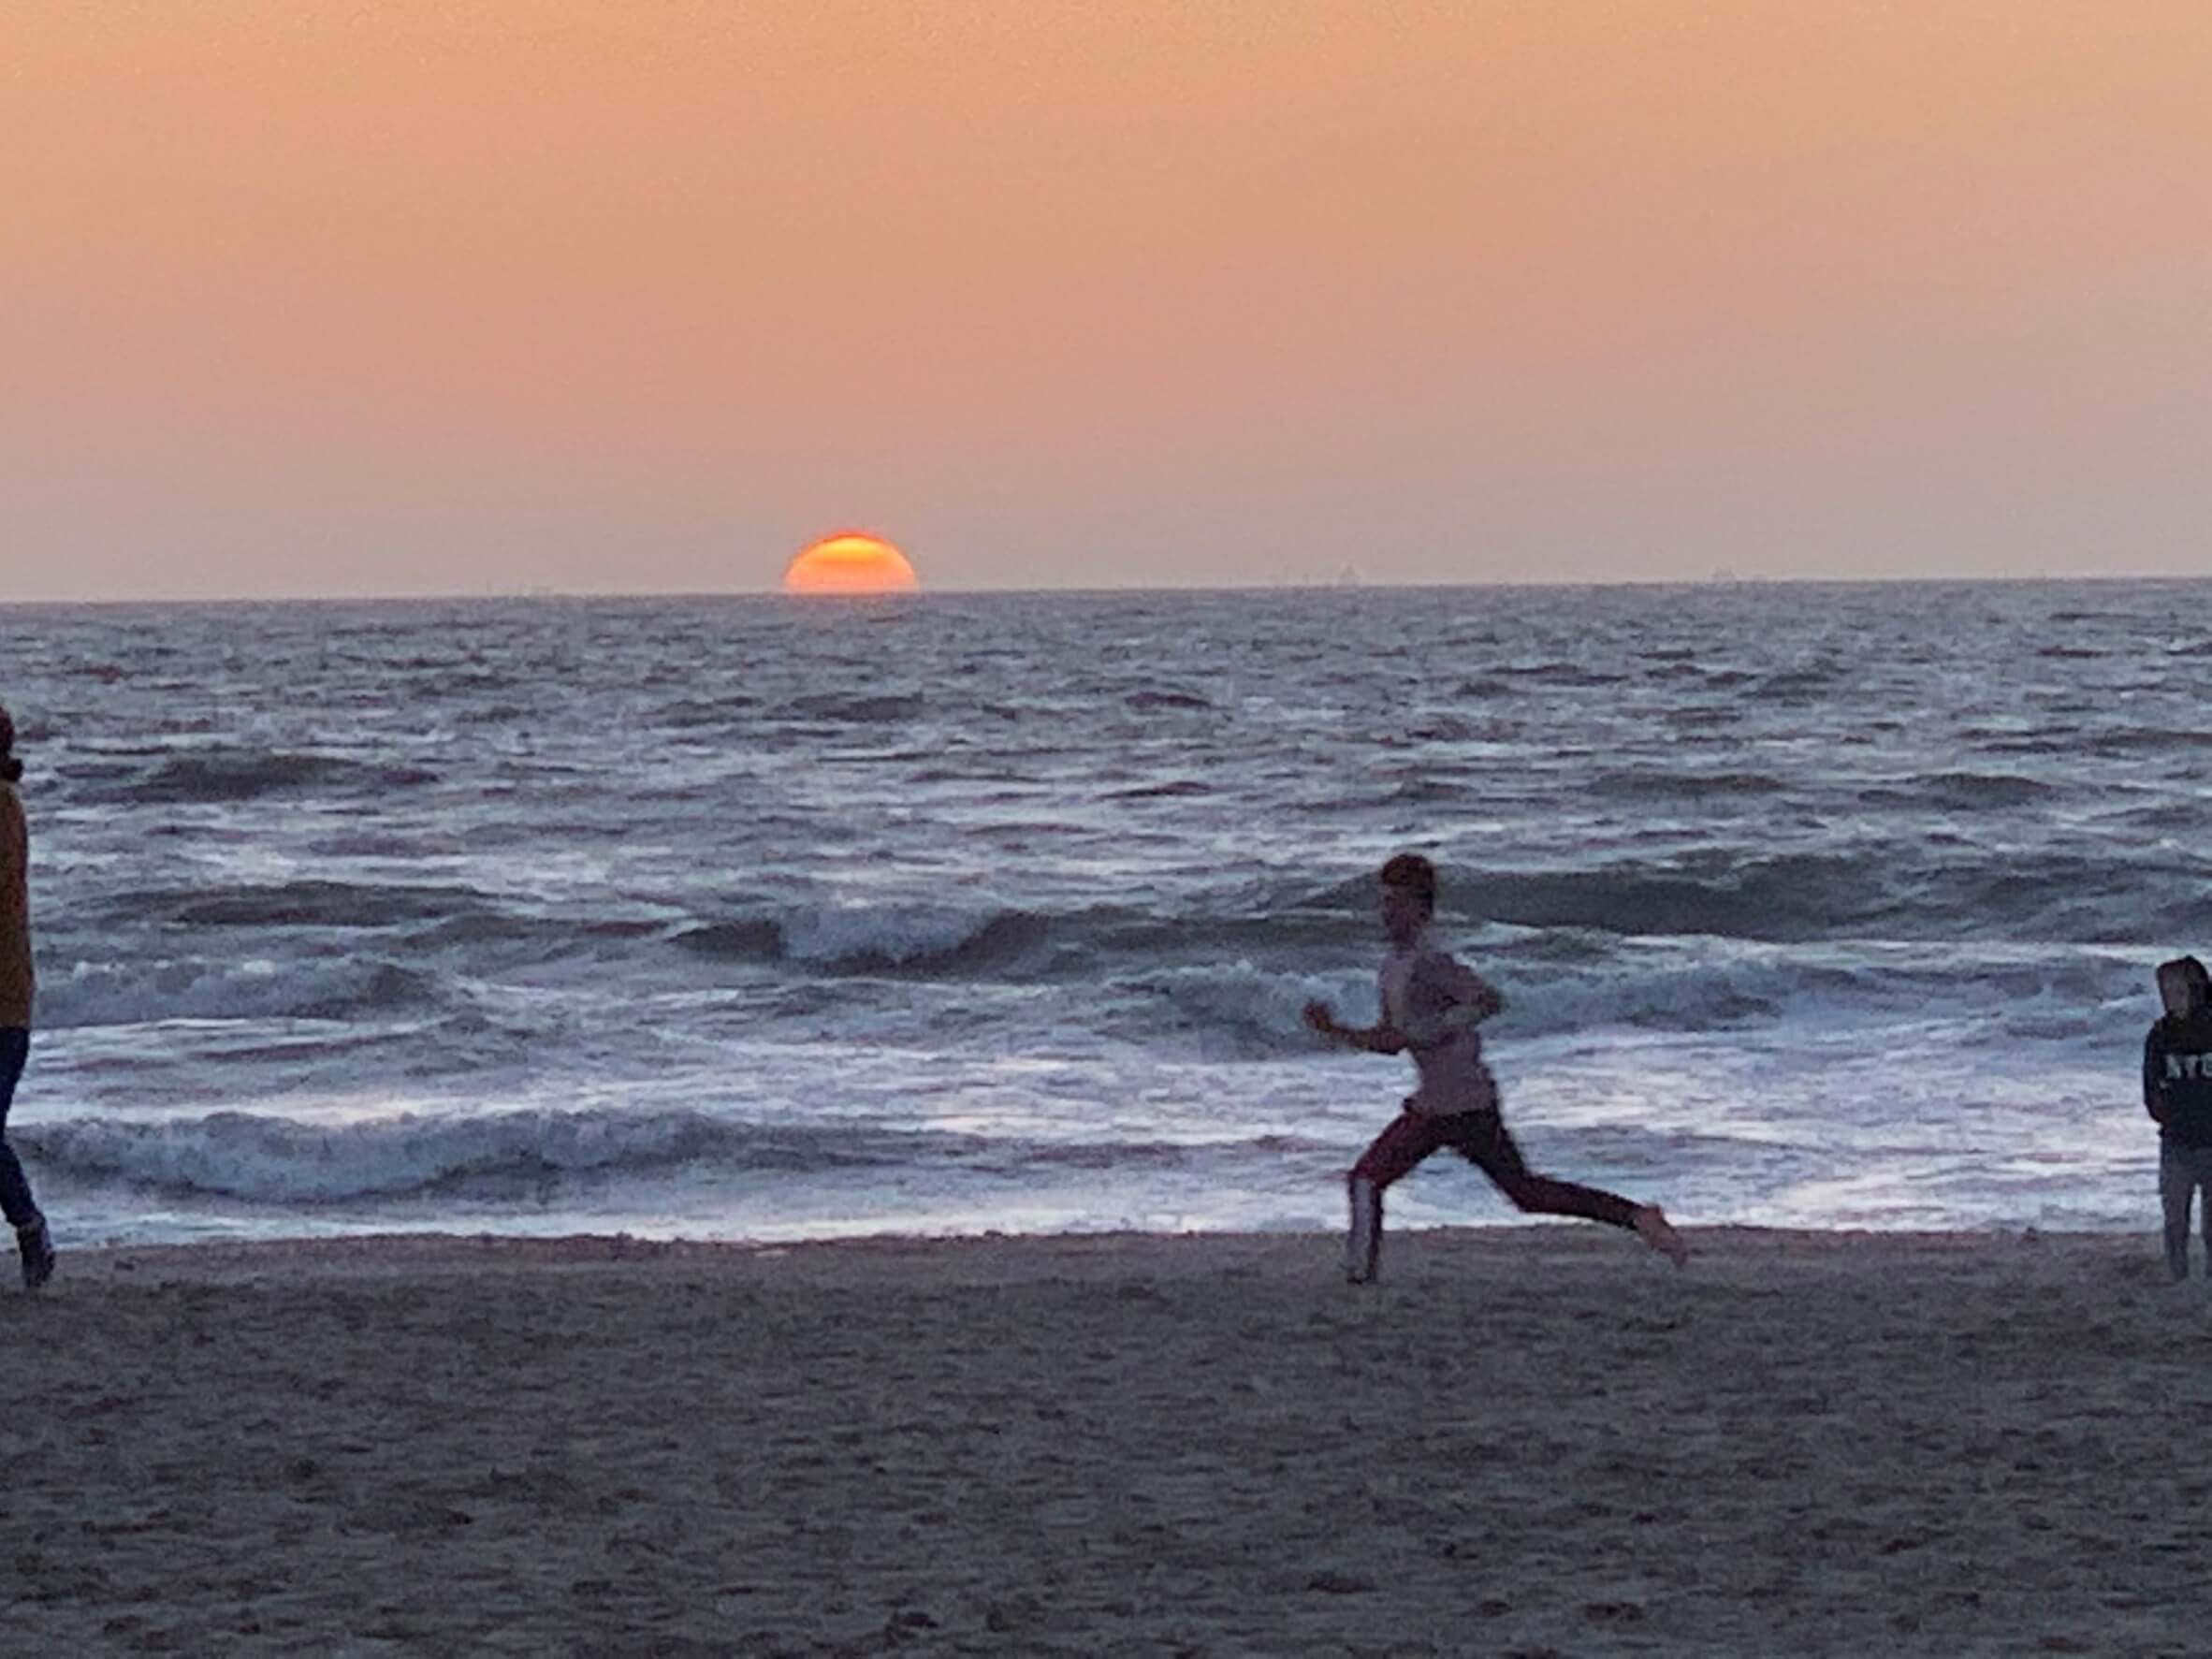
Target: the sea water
(772, 919)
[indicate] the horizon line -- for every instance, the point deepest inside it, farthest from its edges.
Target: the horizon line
(573, 595)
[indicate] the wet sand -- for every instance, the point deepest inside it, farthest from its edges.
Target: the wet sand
(1525, 1441)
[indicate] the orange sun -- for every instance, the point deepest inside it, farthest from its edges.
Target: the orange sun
(849, 562)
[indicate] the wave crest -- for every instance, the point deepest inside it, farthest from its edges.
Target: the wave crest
(916, 938)
(267, 1158)
(299, 904)
(146, 993)
(230, 775)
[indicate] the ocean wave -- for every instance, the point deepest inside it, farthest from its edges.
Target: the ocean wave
(1170, 790)
(2043, 744)
(910, 937)
(1877, 892)
(1152, 1156)
(1255, 1012)
(1800, 685)
(926, 939)
(2070, 616)
(145, 992)
(470, 929)
(1979, 790)
(692, 713)
(1791, 898)
(2136, 741)
(1429, 790)
(881, 708)
(1684, 996)
(1152, 701)
(891, 939)
(1932, 888)
(1438, 727)
(267, 1158)
(1656, 783)
(441, 939)
(1243, 1011)
(227, 777)
(270, 1159)
(1295, 930)
(736, 941)
(2161, 815)
(297, 904)
(1560, 672)
(1348, 894)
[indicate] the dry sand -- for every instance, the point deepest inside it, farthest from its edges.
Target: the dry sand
(1527, 1441)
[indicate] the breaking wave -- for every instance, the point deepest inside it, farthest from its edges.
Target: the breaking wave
(267, 1158)
(146, 993)
(891, 939)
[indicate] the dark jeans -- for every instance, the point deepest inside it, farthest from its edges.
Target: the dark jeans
(15, 1192)
(2181, 1170)
(1482, 1140)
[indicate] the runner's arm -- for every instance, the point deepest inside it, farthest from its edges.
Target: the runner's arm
(1378, 1039)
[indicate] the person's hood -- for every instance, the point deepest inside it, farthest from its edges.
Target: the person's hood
(2200, 985)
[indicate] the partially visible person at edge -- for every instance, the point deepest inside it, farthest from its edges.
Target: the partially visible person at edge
(2178, 1094)
(17, 982)
(1431, 1005)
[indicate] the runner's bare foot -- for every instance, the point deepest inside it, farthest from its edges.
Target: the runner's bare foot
(1653, 1227)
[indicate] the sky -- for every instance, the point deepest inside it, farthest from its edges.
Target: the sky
(386, 296)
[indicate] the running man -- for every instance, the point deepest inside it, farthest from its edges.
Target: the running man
(1431, 1007)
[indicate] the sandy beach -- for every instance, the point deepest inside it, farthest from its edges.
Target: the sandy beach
(1527, 1441)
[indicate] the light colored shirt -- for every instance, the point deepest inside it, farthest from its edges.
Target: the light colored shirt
(1438, 1001)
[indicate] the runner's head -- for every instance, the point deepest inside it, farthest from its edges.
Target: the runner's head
(1408, 895)
(2183, 986)
(10, 768)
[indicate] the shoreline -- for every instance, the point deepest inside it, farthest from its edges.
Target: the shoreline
(1527, 1438)
(645, 1240)
(617, 1244)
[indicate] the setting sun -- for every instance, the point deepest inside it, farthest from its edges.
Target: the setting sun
(849, 562)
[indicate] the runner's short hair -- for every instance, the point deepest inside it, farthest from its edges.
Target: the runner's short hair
(1417, 875)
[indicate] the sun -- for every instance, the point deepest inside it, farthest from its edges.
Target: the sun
(849, 562)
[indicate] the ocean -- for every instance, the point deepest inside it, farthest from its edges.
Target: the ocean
(772, 919)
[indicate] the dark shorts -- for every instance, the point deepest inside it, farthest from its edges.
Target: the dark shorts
(1482, 1139)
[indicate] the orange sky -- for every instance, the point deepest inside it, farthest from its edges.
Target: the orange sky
(402, 297)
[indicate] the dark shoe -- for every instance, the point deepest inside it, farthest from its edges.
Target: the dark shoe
(38, 1252)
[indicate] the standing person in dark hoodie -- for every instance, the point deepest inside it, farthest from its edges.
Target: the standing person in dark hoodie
(2177, 1093)
(17, 984)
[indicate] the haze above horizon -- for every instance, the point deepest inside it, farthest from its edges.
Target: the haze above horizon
(599, 299)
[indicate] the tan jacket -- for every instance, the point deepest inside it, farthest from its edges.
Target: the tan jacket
(18, 982)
